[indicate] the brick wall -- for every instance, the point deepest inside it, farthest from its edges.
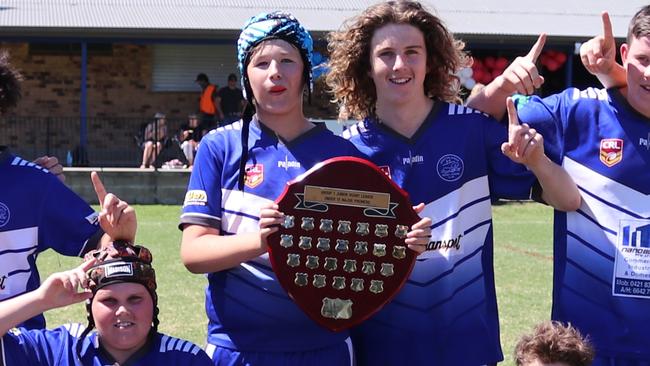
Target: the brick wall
(120, 99)
(118, 85)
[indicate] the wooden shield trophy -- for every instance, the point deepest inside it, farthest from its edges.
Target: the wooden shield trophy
(340, 253)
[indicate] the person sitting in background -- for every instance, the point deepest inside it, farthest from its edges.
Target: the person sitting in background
(190, 135)
(554, 344)
(154, 136)
(119, 286)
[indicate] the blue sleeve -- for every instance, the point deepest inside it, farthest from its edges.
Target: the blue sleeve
(202, 205)
(507, 179)
(548, 116)
(66, 222)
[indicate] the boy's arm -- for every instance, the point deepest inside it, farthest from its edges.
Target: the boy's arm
(598, 56)
(520, 77)
(58, 290)
(526, 146)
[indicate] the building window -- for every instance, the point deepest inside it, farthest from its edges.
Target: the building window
(175, 66)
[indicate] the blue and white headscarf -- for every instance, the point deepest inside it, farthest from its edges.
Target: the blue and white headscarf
(275, 25)
(262, 27)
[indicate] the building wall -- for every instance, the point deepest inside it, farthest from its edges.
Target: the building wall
(118, 85)
(120, 100)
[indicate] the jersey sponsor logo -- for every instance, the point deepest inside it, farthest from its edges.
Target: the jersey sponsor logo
(410, 160)
(2, 282)
(445, 244)
(195, 197)
(254, 175)
(5, 214)
(631, 269)
(286, 164)
(645, 142)
(611, 151)
(450, 167)
(120, 269)
(386, 170)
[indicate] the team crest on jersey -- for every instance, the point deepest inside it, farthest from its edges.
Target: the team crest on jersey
(386, 170)
(5, 214)
(611, 151)
(450, 167)
(254, 175)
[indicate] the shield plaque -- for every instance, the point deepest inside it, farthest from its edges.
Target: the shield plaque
(340, 252)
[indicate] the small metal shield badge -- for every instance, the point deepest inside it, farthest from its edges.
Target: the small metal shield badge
(340, 253)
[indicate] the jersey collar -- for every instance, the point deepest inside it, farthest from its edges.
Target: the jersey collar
(617, 96)
(269, 133)
(430, 118)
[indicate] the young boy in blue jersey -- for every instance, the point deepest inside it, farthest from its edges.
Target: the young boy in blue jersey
(394, 67)
(118, 284)
(38, 212)
(601, 136)
(240, 169)
(553, 344)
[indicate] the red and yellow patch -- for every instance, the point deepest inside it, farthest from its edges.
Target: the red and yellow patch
(254, 175)
(611, 151)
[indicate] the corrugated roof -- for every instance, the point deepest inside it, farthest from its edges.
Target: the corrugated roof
(201, 18)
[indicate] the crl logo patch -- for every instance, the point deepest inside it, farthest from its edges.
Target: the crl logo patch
(611, 151)
(254, 175)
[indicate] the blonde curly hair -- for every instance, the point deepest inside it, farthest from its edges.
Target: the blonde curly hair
(348, 80)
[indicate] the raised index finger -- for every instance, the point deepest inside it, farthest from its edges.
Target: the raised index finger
(99, 188)
(513, 119)
(607, 27)
(537, 48)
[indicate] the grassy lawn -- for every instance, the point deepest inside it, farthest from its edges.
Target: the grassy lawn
(523, 267)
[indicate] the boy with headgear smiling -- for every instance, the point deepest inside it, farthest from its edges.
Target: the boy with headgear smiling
(120, 288)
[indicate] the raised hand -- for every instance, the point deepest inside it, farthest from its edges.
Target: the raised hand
(522, 76)
(525, 145)
(66, 288)
(598, 54)
(52, 164)
(116, 217)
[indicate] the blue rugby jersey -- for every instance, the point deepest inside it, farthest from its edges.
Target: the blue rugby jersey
(58, 347)
(446, 313)
(37, 212)
(602, 251)
(247, 307)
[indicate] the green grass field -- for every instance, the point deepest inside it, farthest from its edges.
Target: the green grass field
(522, 260)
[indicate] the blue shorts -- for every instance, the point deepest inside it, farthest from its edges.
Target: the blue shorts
(340, 354)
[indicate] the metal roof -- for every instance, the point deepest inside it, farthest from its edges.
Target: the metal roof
(204, 19)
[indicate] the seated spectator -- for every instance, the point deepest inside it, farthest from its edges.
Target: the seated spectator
(118, 284)
(190, 135)
(554, 344)
(154, 136)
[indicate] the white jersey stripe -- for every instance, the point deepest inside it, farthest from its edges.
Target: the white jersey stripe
(163, 343)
